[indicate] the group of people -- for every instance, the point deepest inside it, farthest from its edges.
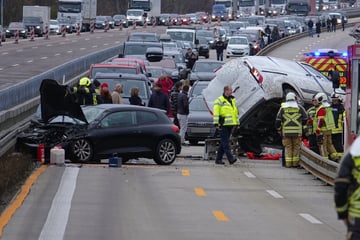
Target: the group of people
(330, 23)
(322, 125)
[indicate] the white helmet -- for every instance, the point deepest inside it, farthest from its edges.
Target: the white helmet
(336, 96)
(290, 96)
(321, 97)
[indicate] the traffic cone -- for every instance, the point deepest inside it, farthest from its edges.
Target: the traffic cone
(134, 24)
(16, 37)
(0, 39)
(46, 32)
(92, 26)
(120, 26)
(63, 30)
(78, 29)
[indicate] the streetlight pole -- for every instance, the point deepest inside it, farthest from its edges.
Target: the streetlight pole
(2, 12)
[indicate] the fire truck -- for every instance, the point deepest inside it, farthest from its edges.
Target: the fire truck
(352, 100)
(328, 61)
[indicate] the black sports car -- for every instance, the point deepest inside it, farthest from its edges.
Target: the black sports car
(92, 133)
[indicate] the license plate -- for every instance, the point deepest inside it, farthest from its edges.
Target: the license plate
(200, 130)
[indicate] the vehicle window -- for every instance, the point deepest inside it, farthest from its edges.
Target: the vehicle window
(155, 73)
(112, 70)
(197, 90)
(145, 117)
(142, 38)
(315, 72)
(127, 85)
(197, 104)
(91, 113)
(118, 119)
(206, 67)
(242, 41)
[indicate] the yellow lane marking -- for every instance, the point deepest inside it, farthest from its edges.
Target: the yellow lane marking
(220, 216)
(185, 172)
(25, 189)
(200, 192)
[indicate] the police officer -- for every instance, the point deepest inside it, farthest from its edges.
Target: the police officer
(225, 116)
(347, 191)
(289, 122)
(323, 124)
(338, 111)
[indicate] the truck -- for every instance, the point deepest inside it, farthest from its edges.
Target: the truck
(246, 8)
(37, 17)
(151, 8)
(230, 7)
(81, 11)
(219, 12)
(298, 7)
(278, 7)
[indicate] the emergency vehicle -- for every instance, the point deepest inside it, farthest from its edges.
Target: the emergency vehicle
(328, 60)
(352, 101)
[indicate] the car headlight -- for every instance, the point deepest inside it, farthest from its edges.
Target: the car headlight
(37, 27)
(7, 31)
(22, 31)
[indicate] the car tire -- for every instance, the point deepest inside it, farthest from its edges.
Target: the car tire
(165, 153)
(82, 150)
(207, 56)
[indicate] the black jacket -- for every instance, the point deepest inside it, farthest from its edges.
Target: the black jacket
(174, 100)
(159, 100)
(183, 103)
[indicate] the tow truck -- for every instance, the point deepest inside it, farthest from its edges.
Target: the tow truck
(328, 61)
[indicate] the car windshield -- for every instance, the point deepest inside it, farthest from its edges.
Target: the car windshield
(197, 105)
(143, 38)
(205, 34)
(197, 89)
(128, 84)
(91, 113)
(96, 70)
(242, 41)
(155, 72)
(136, 49)
(206, 66)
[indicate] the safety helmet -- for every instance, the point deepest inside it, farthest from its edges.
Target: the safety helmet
(290, 96)
(321, 97)
(84, 81)
(336, 96)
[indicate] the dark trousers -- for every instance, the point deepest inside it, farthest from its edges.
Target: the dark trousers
(337, 142)
(313, 144)
(220, 55)
(224, 146)
(354, 229)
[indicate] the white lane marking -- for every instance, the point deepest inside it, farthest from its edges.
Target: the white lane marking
(1, 69)
(274, 194)
(57, 54)
(19, 50)
(34, 47)
(70, 51)
(310, 218)
(249, 175)
(105, 44)
(43, 57)
(82, 49)
(49, 45)
(95, 46)
(29, 61)
(15, 65)
(5, 53)
(58, 216)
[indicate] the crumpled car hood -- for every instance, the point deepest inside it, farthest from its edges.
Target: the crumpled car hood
(57, 100)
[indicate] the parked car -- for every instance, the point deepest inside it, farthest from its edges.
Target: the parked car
(260, 83)
(197, 88)
(100, 22)
(200, 122)
(64, 21)
(112, 67)
(119, 18)
(97, 132)
(54, 27)
(14, 27)
(137, 49)
(203, 48)
(110, 21)
(238, 47)
(3, 33)
(143, 37)
(204, 70)
(35, 22)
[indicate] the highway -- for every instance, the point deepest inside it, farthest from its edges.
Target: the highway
(191, 199)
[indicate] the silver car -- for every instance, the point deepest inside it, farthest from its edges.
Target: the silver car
(260, 85)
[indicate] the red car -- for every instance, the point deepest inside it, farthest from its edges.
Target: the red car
(112, 68)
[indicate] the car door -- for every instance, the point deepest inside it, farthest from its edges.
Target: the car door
(116, 133)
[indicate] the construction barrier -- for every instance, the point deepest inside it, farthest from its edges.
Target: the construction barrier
(92, 26)
(46, 32)
(145, 23)
(16, 37)
(32, 34)
(63, 30)
(134, 24)
(153, 22)
(78, 29)
(106, 27)
(121, 26)
(0, 39)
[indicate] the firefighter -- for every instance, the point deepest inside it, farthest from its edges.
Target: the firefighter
(323, 125)
(85, 93)
(309, 129)
(347, 190)
(289, 122)
(338, 111)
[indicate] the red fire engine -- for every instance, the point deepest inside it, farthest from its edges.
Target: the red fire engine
(328, 60)
(352, 100)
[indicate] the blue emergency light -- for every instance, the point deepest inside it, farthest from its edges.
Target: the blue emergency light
(316, 54)
(344, 54)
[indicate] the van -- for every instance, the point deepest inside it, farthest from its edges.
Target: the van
(135, 15)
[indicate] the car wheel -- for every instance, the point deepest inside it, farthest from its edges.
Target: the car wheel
(165, 153)
(207, 56)
(82, 150)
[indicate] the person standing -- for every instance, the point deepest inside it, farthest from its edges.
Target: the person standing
(116, 94)
(220, 47)
(323, 125)
(183, 112)
(310, 27)
(343, 22)
(84, 92)
(333, 24)
(190, 58)
(105, 95)
(159, 99)
(309, 128)
(346, 191)
(289, 122)
(338, 111)
(135, 98)
(225, 117)
(268, 33)
(328, 24)
(174, 100)
(318, 27)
